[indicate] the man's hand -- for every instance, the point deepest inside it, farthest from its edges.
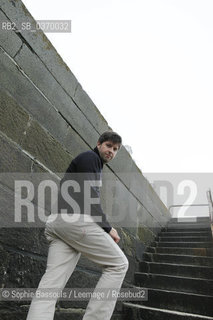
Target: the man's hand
(113, 233)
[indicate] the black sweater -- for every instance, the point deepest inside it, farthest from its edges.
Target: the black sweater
(86, 166)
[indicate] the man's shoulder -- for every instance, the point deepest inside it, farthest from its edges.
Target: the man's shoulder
(88, 161)
(88, 157)
(90, 154)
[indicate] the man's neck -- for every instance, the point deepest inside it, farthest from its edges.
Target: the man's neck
(96, 151)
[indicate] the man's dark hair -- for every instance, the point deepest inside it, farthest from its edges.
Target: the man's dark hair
(110, 136)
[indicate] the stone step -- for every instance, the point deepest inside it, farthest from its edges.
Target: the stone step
(190, 219)
(179, 301)
(174, 283)
(182, 251)
(183, 259)
(202, 272)
(60, 314)
(21, 314)
(77, 314)
(178, 272)
(183, 244)
(187, 227)
(139, 312)
(185, 234)
(191, 223)
(185, 239)
(69, 314)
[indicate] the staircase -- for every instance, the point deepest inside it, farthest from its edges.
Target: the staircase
(178, 272)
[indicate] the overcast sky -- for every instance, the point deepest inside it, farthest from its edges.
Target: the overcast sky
(148, 67)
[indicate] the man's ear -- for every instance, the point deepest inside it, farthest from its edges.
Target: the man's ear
(98, 144)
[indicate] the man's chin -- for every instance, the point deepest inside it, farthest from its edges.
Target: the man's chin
(106, 160)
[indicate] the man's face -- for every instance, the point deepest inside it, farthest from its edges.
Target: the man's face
(108, 150)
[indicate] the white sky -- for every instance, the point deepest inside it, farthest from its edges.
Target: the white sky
(148, 67)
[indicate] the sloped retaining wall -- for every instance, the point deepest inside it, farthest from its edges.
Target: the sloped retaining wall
(46, 119)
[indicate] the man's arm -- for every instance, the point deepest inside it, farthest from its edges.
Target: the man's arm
(89, 165)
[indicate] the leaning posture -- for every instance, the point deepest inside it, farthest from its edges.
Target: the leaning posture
(81, 227)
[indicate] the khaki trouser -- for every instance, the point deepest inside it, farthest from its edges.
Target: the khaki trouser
(67, 241)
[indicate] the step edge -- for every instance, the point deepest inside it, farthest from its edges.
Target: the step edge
(179, 255)
(175, 254)
(206, 242)
(185, 232)
(132, 305)
(177, 292)
(186, 237)
(177, 264)
(173, 276)
(185, 228)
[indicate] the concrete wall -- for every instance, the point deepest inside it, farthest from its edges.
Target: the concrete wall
(46, 119)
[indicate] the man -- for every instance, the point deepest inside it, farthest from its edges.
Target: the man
(71, 235)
